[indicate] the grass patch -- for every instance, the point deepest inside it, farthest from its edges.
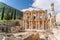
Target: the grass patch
(3, 20)
(9, 20)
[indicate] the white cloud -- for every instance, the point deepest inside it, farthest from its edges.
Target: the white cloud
(30, 8)
(45, 4)
(27, 9)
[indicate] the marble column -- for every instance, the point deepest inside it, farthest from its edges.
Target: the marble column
(36, 24)
(31, 25)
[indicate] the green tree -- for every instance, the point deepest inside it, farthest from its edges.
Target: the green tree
(3, 13)
(7, 15)
(14, 14)
(11, 13)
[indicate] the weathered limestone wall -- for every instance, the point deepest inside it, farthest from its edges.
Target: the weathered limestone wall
(35, 19)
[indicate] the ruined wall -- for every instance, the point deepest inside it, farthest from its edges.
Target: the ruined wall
(35, 19)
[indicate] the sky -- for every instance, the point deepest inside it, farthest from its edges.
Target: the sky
(24, 5)
(18, 4)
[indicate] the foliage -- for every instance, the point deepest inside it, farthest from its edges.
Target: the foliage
(7, 16)
(18, 12)
(17, 23)
(3, 13)
(14, 14)
(11, 13)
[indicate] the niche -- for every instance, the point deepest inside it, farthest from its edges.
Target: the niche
(34, 17)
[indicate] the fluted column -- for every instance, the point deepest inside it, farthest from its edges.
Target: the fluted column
(36, 21)
(38, 18)
(29, 20)
(43, 20)
(42, 24)
(36, 24)
(29, 24)
(23, 24)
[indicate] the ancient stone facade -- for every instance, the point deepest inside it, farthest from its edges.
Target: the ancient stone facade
(38, 19)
